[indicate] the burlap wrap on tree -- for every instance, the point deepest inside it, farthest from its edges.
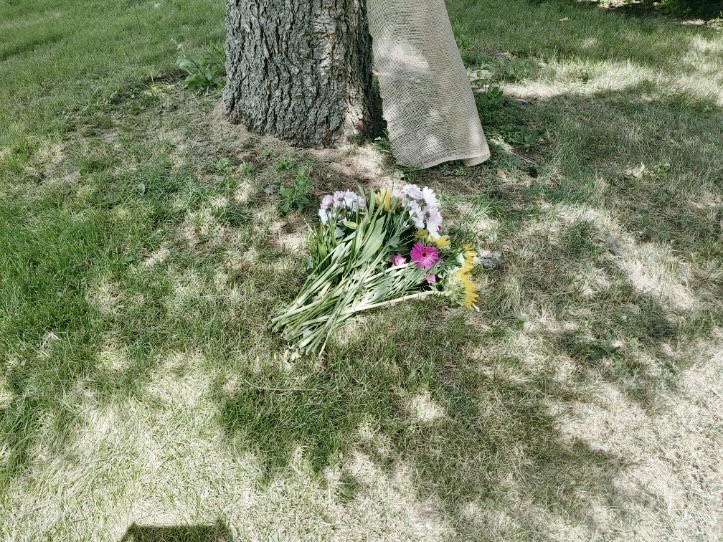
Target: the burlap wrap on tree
(427, 98)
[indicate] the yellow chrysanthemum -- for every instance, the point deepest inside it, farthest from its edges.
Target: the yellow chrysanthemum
(470, 291)
(462, 289)
(467, 258)
(439, 242)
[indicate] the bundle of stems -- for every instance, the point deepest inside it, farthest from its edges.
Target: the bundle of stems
(354, 276)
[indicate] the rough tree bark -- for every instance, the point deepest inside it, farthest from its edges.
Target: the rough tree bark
(300, 69)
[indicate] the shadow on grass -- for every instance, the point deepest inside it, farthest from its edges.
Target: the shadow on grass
(671, 198)
(56, 333)
(558, 31)
(706, 9)
(491, 426)
(495, 439)
(218, 532)
(648, 147)
(491, 433)
(422, 387)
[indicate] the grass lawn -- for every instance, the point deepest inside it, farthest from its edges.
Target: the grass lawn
(142, 252)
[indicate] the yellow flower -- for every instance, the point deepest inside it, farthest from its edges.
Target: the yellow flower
(422, 234)
(439, 242)
(469, 256)
(462, 288)
(383, 198)
(470, 291)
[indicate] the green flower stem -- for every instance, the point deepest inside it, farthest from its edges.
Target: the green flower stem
(389, 303)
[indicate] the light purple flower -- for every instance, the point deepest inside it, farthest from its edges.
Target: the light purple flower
(338, 204)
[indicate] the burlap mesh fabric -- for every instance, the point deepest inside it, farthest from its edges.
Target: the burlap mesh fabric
(427, 99)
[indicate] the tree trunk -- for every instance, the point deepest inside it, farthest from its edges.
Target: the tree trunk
(300, 70)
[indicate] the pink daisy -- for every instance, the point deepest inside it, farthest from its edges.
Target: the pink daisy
(424, 255)
(431, 279)
(398, 259)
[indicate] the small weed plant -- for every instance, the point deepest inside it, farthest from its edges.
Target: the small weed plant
(246, 169)
(206, 73)
(225, 165)
(297, 196)
(285, 163)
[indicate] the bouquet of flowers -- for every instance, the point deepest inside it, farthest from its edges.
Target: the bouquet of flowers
(371, 251)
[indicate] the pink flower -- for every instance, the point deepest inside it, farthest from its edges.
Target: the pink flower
(431, 279)
(398, 259)
(424, 255)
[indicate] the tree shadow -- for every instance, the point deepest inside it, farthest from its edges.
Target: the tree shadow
(561, 30)
(490, 433)
(55, 346)
(477, 424)
(648, 201)
(648, 8)
(484, 431)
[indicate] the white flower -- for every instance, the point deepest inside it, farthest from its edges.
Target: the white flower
(423, 207)
(336, 205)
(339, 200)
(412, 191)
(416, 213)
(349, 199)
(434, 222)
(430, 198)
(326, 202)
